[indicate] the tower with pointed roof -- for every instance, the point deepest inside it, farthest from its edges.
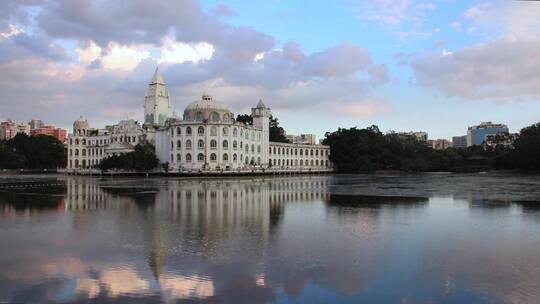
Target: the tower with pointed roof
(157, 104)
(261, 120)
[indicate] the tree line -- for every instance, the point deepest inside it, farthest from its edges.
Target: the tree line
(356, 150)
(32, 152)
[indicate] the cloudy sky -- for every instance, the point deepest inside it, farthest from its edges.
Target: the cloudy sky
(437, 66)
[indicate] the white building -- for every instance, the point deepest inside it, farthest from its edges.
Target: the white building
(88, 146)
(207, 137)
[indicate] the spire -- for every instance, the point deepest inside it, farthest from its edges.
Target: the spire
(157, 79)
(261, 104)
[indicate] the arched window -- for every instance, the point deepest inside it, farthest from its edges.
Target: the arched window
(279, 162)
(307, 153)
(252, 148)
(83, 152)
(225, 131)
(226, 117)
(225, 157)
(76, 141)
(213, 157)
(316, 162)
(252, 135)
(247, 135)
(172, 145)
(241, 132)
(311, 152)
(259, 149)
(188, 144)
(214, 116)
(258, 160)
(198, 116)
(301, 161)
(178, 157)
(247, 148)
(213, 131)
(225, 144)
(213, 144)
(312, 162)
(76, 163)
(283, 151)
(188, 130)
(235, 132)
(188, 158)
(200, 144)
(76, 152)
(200, 131)
(301, 152)
(234, 144)
(295, 151)
(178, 144)
(234, 157)
(200, 157)
(178, 131)
(316, 152)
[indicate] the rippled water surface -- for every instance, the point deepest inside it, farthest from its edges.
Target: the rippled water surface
(303, 239)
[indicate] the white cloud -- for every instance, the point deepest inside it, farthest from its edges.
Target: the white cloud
(173, 51)
(14, 30)
(124, 58)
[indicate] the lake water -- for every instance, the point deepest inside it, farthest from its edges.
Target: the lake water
(303, 239)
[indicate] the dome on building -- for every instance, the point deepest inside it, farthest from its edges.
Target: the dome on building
(81, 124)
(207, 109)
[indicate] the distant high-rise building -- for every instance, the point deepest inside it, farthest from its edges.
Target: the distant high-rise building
(59, 133)
(476, 135)
(439, 144)
(36, 124)
(302, 139)
(459, 141)
(420, 136)
(10, 128)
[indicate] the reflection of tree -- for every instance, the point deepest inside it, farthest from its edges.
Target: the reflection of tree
(368, 201)
(33, 196)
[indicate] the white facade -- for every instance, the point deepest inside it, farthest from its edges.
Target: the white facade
(157, 104)
(207, 137)
(87, 146)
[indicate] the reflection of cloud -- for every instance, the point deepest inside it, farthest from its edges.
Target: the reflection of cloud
(182, 287)
(122, 281)
(87, 286)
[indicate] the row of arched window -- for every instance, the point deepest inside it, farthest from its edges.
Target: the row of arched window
(296, 162)
(91, 152)
(177, 131)
(214, 145)
(93, 142)
(298, 151)
(213, 158)
(214, 116)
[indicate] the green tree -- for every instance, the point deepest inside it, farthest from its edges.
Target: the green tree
(245, 118)
(526, 153)
(36, 152)
(142, 159)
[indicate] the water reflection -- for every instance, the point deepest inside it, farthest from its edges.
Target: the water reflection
(293, 239)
